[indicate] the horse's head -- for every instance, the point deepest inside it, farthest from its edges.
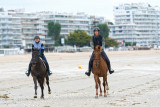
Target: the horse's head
(35, 56)
(97, 50)
(97, 54)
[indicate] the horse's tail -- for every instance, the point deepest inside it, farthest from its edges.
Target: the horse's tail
(106, 87)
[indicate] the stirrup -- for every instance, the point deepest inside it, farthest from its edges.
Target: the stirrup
(111, 71)
(27, 73)
(49, 72)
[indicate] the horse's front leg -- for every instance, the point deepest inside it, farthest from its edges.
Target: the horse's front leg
(47, 81)
(41, 81)
(99, 82)
(35, 86)
(96, 85)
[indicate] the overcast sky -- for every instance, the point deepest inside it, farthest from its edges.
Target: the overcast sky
(93, 7)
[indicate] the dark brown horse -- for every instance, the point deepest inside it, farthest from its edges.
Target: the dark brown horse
(100, 69)
(39, 73)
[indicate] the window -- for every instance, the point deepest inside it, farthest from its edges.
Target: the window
(120, 27)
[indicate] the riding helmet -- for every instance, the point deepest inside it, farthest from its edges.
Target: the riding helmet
(96, 28)
(36, 37)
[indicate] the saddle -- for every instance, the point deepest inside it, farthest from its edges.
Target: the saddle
(44, 63)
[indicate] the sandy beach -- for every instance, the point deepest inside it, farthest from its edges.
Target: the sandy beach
(135, 83)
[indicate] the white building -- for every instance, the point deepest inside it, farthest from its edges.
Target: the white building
(18, 27)
(69, 22)
(10, 31)
(136, 23)
(31, 25)
(94, 21)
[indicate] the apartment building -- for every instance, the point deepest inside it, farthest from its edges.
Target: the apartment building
(18, 27)
(10, 31)
(136, 23)
(69, 22)
(31, 25)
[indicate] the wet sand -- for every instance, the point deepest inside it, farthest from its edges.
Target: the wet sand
(136, 81)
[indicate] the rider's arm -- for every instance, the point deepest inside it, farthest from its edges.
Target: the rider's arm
(32, 47)
(103, 43)
(42, 49)
(91, 42)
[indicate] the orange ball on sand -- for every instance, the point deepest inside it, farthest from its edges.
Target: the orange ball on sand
(79, 67)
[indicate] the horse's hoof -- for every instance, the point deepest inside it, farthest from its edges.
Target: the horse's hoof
(96, 97)
(49, 92)
(105, 95)
(100, 94)
(35, 96)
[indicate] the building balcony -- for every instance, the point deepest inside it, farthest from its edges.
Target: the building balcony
(10, 33)
(29, 43)
(49, 43)
(29, 23)
(15, 28)
(29, 33)
(147, 18)
(29, 27)
(6, 22)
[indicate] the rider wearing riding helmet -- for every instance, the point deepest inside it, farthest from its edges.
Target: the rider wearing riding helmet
(38, 45)
(97, 39)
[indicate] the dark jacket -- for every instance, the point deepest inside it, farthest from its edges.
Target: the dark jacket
(97, 40)
(39, 46)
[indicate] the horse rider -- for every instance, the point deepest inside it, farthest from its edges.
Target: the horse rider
(38, 45)
(97, 39)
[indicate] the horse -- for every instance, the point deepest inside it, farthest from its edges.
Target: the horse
(39, 73)
(100, 69)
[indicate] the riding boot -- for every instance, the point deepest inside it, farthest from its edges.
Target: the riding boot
(29, 70)
(109, 67)
(48, 70)
(90, 65)
(89, 71)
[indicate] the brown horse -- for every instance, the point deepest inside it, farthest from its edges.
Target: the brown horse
(100, 69)
(39, 73)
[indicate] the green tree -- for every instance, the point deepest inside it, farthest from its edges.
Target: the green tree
(51, 29)
(104, 30)
(110, 23)
(79, 38)
(54, 30)
(110, 42)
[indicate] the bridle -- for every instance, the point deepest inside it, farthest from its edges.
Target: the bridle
(35, 57)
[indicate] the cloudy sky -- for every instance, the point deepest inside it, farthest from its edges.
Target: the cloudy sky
(92, 7)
